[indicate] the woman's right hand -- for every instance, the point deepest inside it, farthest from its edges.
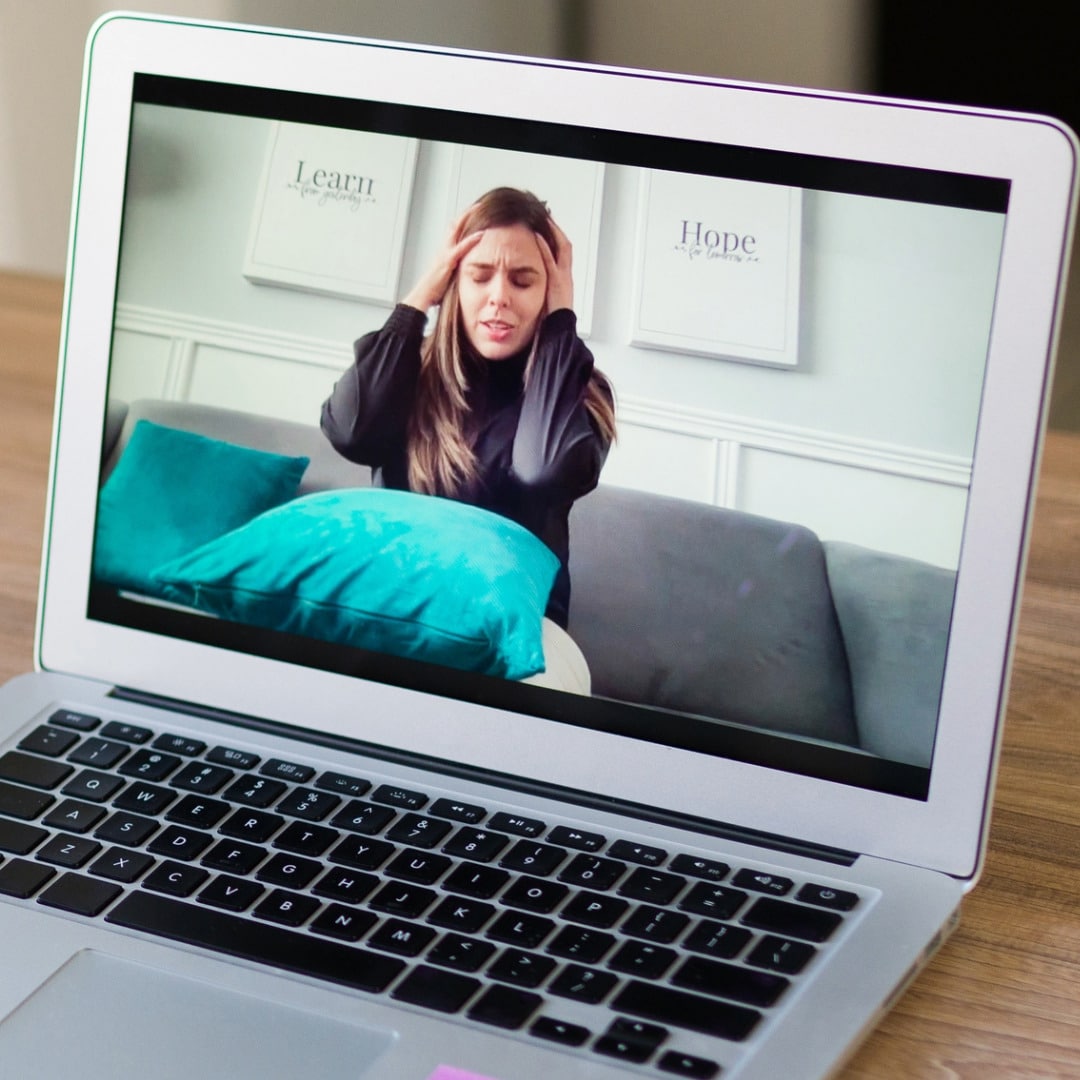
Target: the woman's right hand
(431, 288)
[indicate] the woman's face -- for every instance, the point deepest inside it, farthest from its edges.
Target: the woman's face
(502, 285)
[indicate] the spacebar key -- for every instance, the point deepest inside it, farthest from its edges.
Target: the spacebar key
(680, 1009)
(271, 945)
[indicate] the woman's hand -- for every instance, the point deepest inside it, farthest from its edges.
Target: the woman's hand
(560, 278)
(431, 288)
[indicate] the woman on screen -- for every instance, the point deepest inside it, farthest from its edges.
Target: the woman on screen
(500, 406)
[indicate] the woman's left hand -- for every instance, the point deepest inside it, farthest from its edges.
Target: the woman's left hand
(560, 278)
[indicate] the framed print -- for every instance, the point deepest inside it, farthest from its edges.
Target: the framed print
(718, 267)
(331, 210)
(572, 189)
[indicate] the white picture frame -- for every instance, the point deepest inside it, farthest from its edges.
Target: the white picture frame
(717, 268)
(331, 212)
(573, 190)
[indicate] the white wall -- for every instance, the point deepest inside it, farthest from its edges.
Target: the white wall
(869, 439)
(41, 45)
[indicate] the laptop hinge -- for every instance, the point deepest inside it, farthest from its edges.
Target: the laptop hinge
(507, 781)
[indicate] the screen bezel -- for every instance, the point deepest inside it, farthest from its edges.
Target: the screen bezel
(945, 830)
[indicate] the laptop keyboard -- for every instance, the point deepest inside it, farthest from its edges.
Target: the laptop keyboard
(569, 936)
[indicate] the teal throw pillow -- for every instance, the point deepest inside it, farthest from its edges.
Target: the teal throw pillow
(391, 571)
(172, 491)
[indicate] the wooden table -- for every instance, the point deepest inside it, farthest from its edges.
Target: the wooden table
(1002, 998)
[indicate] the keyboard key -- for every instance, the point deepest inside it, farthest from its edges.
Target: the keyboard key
(343, 923)
(18, 838)
(691, 1011)
(304, 839)
(403, 938)
(129, 733)
(421, 867)
(631, 1040)
(653, 886)
(535, 894)
(687, 1065)
(293, 871)
(100, 753)
(308, 804)
(581, 943)
(287, 770)
(341, 784)
(74, 816)
(758, 881)
(399, 797)
(50, 741)
(465, 916)
(257, 791)
(642, 959)
(22, 879)
(125, 828)
(530, 858)
(518, 928)
(93, 786)
(348, 886)
(521, 968)
(234, 857)
(175, 879)
(119, 864)
(144, 798)
(505, 1007)
(22, 803)
(559, 1031)
(584, 984)
(232, 759)
(519, 826)
(721, 940)
(68, 851)
(629, 851)
(149, 765)
(80, 895)
(75, 720)
(823, 896)
(198, 776)
(692, 866)
(419, 831)
(401, 898)
(198, 812)
(476, 844)
(575, 838)
(363, 818)
(230, 893)
(179, 744)
(176, 842)
(595, 909)
(792, 920)
(33, 771)
(655, 924)
(480, 882)
(728, 981)
(592, 872)
(780, 954)
(456, 811)
(461, 953)
(237, 936)
(716, 901)
(255, 826)
(361, 853)
(434, 989)
(286, 908)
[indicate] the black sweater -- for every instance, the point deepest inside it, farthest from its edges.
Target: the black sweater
(537, 448)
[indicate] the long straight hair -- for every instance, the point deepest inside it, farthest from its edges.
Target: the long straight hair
(440, 439)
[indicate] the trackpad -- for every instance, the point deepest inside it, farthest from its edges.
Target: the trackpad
(101, 1017)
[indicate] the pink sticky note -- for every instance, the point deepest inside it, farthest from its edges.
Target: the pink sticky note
(448, 1072)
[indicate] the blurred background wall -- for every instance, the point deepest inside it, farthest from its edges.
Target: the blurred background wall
(1011, 57)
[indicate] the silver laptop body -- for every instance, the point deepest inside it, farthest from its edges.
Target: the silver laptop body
(735, 804)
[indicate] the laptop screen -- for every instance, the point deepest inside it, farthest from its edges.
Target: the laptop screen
(680, 451)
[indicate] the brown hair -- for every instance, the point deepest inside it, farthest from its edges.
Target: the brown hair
(440, 452)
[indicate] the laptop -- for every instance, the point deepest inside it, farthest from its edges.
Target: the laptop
(314, 777)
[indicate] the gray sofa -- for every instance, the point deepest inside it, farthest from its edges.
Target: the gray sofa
(702, 610)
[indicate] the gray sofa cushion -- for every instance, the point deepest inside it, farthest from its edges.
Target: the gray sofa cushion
(707, 611)
(895, 615)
